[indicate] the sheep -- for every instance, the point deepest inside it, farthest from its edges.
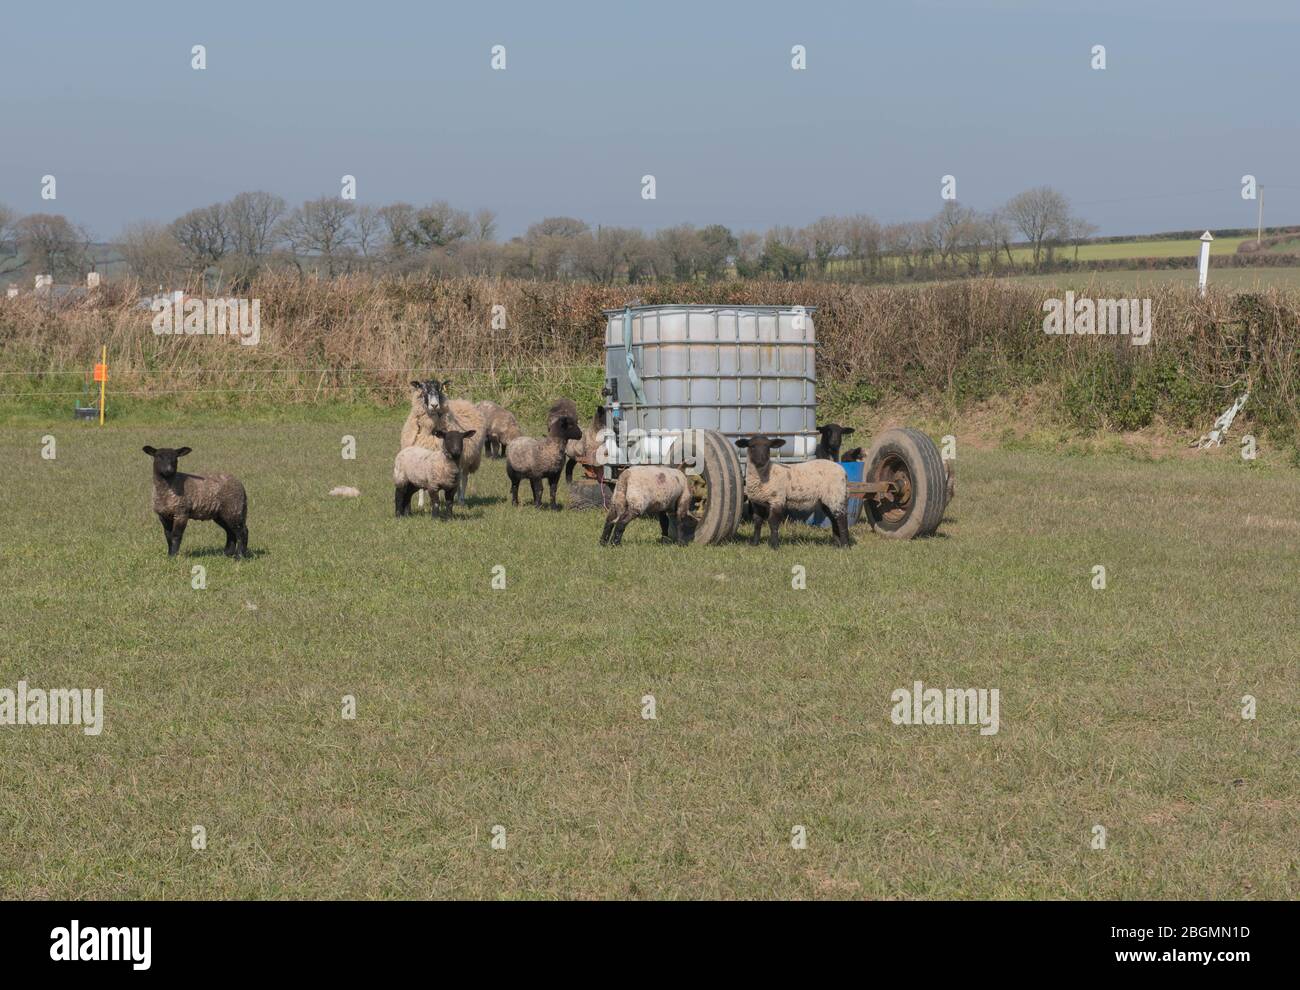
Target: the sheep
(180, 497)
(775, 489)
(644, 489)
(583, 451)
(852, 454)
(424, 467)
(432, 410)
(535, 459)
(500, 427)
(828, 444)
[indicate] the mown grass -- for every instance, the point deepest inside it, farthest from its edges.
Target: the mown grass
(522, 707)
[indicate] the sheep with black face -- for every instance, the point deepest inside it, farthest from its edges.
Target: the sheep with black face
(773, 490)
(429, 468)
(830, 438)
(644, 490)
(179, 497)
(432, 409)
(537, 458)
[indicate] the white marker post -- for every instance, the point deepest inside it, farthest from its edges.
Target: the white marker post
(1205, 260)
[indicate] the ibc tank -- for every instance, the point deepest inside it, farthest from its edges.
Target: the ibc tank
(736, 369)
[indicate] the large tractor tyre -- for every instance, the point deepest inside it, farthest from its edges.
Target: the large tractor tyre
(719, 487)
(910, 459)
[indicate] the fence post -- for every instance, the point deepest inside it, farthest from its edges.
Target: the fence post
(1205, 260)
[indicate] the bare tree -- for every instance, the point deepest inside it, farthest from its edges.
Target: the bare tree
(368, 226)
(251, 218)
(824, 238)
(862, 240)
(204, 234)
(438, 225)
(151, 253)
(485, 225)
(1078, 230)
(53, 246)
(1040, 215)
(321, 228)
(398, 220)
(8, 228)
(551, 244)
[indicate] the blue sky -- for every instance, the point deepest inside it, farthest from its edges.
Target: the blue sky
(701, 95)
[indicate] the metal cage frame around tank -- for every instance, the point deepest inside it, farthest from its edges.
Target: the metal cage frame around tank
(652, 415)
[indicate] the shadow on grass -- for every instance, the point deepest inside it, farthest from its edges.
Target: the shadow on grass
(252, 553)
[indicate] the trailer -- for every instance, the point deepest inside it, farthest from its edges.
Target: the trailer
(684, 382)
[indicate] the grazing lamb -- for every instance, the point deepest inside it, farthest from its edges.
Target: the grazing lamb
(643, 490)
(432, 410)
(423, 467)
(500, 426)
(583, 451)
(535, 459)
(180, 497)
(852, 454)
(831, 435)
(775, 489)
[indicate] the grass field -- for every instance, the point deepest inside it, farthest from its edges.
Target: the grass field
(522, 707)
(1236, 279)
(1157, 248)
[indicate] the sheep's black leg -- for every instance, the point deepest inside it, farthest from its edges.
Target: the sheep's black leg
(536, 484)
(554, 481)
(759, 513)
(447, 501)
(610, 517)
(177, 534)
(774, 518)
(663, 526)
(167, 531)
(402, 499)
(683, 532)
(623, 520)
(842, 523)
(568, 471)
(514, 485)
(241, 546)
(230, 537)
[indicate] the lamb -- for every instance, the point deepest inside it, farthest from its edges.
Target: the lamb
(644, 489)
(432, 410)
(852, 454)
(423, 467)
(535, 459)
(775, 489)
(500, 427)
(831, 436)
(583, 451)
(180, 497)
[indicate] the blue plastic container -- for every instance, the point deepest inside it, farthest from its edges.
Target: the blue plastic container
(854, 471)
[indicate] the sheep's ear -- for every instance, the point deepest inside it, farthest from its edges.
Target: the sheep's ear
(779, 442)
(846, 431)
(742, 443)
(149, 450)
(419, 385)
(440, 434)
(446, 383)
(466, 436)
(183, 451)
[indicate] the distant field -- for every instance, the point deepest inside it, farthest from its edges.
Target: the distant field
(522, 707)
(1237, 279)
(1189, 248)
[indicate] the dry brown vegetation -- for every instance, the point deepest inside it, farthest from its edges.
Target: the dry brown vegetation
(951, 342)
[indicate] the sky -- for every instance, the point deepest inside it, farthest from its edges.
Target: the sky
(701, 95)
